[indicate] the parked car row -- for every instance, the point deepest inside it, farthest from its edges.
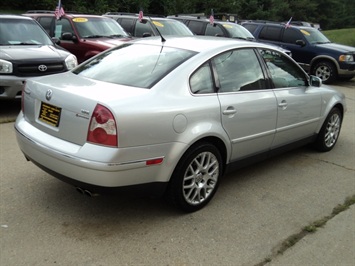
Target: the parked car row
(88, 35)
(166, 114)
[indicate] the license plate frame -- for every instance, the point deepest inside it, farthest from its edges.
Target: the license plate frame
(50, 114)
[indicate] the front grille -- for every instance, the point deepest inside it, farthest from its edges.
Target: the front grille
(31, 70)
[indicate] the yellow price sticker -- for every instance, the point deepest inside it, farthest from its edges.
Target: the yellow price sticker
(156, 23)
(80, 19)
(305, 32)
(227, 26)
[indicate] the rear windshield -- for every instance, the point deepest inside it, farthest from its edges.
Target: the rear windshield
(136, 65)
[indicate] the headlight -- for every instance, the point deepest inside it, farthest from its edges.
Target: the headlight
(346, 58)
(71, 62)
(5, 67)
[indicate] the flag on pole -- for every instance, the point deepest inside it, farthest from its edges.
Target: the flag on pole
(212, 17)
(288, 24)
(140, 15)
(59, 11)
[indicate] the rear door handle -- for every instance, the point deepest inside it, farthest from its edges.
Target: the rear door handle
(283, 104)
(229, 111)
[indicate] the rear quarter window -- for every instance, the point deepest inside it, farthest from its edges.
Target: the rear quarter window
(270, 33)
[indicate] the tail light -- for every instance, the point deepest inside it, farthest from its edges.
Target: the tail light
(102, 128)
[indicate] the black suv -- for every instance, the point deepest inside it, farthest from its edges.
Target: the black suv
(149, 25)
(310, 48)
(81, 34)
(27, 51)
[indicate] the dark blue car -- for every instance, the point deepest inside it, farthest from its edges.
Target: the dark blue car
(310, 48)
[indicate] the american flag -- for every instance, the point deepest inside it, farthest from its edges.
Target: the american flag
(140, 15)
(59, 11)
(212, 17)
(288, 24)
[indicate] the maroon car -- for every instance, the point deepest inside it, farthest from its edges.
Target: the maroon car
(81, 34)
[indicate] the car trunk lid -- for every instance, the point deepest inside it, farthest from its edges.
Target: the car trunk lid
(62, 105)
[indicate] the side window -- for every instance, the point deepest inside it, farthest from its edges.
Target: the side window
(250, 27)
(284, 73)
(214, 30)
(270, 33)
(47, 24)
(291, 36)
(201, 80)
(196, 27)
(239, 70)
(127, 24)
(62, 26)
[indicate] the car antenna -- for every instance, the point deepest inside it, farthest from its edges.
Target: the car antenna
(161, 36)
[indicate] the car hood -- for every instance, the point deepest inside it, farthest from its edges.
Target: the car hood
(338, 47)
(108, 42)
(28, 52)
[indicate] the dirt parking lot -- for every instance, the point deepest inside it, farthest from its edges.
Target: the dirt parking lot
(46, 222)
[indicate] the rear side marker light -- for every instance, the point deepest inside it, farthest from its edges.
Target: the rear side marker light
(154, 161)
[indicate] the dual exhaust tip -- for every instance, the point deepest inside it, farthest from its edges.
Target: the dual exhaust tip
(86, 192)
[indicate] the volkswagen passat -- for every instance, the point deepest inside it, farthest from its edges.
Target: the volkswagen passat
(173, 115)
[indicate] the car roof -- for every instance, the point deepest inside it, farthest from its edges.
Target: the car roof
(12, 16)
(51, 14)
(279, 24)
(199, 43)
(133, 15)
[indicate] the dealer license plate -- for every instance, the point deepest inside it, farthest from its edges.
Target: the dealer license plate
(50, 114)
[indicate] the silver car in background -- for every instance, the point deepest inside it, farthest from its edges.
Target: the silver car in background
(173, 115)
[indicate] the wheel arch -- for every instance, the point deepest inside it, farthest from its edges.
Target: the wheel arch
(336, 105)
(320, 58)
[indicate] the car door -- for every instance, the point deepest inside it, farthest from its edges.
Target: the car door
(248, 106)
(298, 105)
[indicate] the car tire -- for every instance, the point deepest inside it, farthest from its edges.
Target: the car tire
(196, 178)
(326, 71)
(329, 133)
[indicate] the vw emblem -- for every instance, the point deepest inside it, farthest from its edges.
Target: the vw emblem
(42, 68)
(49, 94)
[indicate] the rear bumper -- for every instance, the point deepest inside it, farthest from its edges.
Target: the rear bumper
(119, 168)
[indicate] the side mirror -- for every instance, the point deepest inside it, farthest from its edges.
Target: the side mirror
(315, 81)
(56, 40)
(68, 36)
(300, 42)
(147, 34)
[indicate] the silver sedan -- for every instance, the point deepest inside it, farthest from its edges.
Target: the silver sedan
(173, 115)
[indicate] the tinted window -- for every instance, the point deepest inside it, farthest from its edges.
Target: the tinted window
(201, 81)
(270, 33)
(250, 27)
(196, 27)
(127, 24)
(214, 30)
(291, 36)
(284, 73)
(62, 26)
(46, 23)
(121, 65)
(239, 70)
